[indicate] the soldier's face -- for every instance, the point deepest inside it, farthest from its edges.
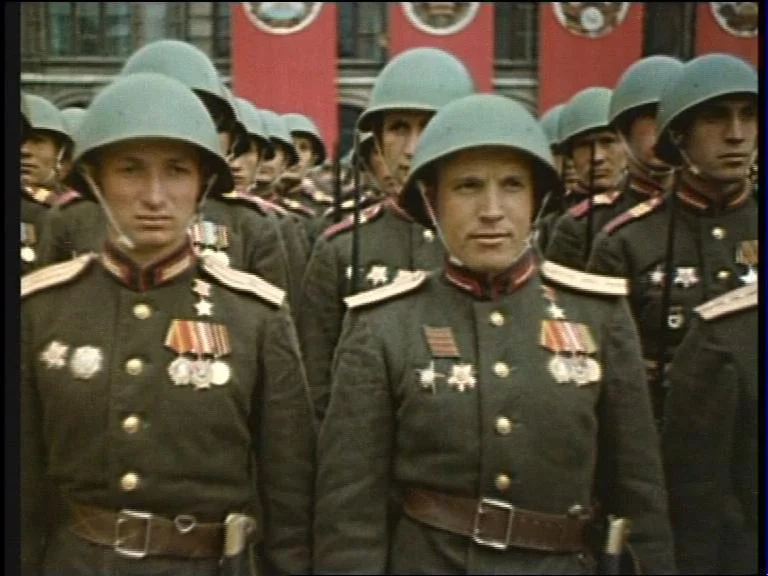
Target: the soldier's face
(307, 156)
(245, 166)
(39, 155)
(609, 159)
(641, 138)
(270, 169)
(722, 138)
(400, 132)
(152, 186)
(485, 199)
(380, 173)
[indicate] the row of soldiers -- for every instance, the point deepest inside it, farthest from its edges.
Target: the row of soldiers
(453, 358)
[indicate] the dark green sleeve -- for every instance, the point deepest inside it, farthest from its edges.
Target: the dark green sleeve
(321, 312)
(54, 244)
(355, 453)
(286, 450)
(607, 257)
(566, 245)
(629, 459)
(700, 416)
(266, 253)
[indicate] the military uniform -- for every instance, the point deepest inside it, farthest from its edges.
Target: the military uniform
(449, 388)
(390, 242)
(710, 439)
(110, 415)
(35, 203)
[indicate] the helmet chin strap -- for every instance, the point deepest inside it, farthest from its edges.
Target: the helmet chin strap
(386, 165)
(647, 169)
(201, 203)
(122, 238)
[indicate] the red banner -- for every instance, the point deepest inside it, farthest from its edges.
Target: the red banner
(725, 36)
(582, 49)
(468, 36)
(287, 62)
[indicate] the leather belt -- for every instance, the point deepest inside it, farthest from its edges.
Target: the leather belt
(136, 534)
(499, 524)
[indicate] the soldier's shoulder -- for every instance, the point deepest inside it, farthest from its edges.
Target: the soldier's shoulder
(68, 198)
(370, 214)
(579, 281)
(737, 300)
(55, 274)
(583, 208)
(243, 282)
(41, 195)
(238, 198)
(297, 208)
(405, 283)
(634, 214)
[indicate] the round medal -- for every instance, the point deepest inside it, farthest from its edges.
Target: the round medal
(221, 257)
(180, 371)
(579, 370)
(205, 252)
(201, 374)
(559, 369)
(594, 371)
(28, 254)
(220, 373)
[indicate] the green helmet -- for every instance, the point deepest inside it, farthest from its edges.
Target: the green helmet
(365, 144)
(304, 126)
(550, 123)
(586, 111)
(279, 134)
(25, 125)
(72, 118)
(187, 64)
(475, 121)
(254, 125)
(148, 106)
(419, 79)
(701, 79)
(641, 85)
(43, 115)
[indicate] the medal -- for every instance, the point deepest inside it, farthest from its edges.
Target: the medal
(220, 373)
(377, 275)
(578, 370)
(427, 377)
(204, 308)
(462, 377)
(594, 371)
(54, 356)
(221, 257)
(559, 369)
(86, 362)
(180, 371)
(28, 254)
(201, 374)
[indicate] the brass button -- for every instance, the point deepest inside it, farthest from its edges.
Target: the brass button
(723, 275)
(503, 426)
(134, 366)
(131, 424)
(429, 236)
(142, 311)
(502, 482)
(501, 369)
(129, 482)
(497, 319)
(718, 233)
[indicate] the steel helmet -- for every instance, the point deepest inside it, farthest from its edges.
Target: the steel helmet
(301, 125)
(145, 105)
(641, 85)
(701, 79)
(585, 111)
(25, 125)
(43, 115)
(279, 134)
(251, 118)
(550, 123)
(187, 64)
(72, 118)
(475, 121)
(418, 79)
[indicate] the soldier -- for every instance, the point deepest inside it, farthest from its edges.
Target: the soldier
(688, 247)
(162, 393)
(488, 406)
(311, 150)
(227, 228)
(600, 162)
(72, 117)
(347, 258)
(710, 438)
(42, 152)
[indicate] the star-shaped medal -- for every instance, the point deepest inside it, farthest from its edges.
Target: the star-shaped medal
(657, 276)
(377, 275)
(555, 312)
(204, 308)
(427, 377)
(54, 355)
(462, 377)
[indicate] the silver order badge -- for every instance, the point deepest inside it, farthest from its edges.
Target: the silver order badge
(201, 374)
(28, 254)
(220, 373)
(180, 371)
(86, 362)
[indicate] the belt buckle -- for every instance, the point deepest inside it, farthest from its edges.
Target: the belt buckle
(124, 516)
(501, 505)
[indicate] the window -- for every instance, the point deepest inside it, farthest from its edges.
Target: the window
(517, 32)
(221, 29)
(669, 29)
(362, 28)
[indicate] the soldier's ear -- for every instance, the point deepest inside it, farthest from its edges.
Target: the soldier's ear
(676, 137)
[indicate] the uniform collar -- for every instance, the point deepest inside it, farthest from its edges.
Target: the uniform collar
(644, 187)
(486, 286)
(133, 276)
(392, 205)
(702, 197)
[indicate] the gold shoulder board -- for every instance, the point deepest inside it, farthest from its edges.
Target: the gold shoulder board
(243, 281)
(593, 283)
(733, 301)
(407, 282)
(55, 274)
